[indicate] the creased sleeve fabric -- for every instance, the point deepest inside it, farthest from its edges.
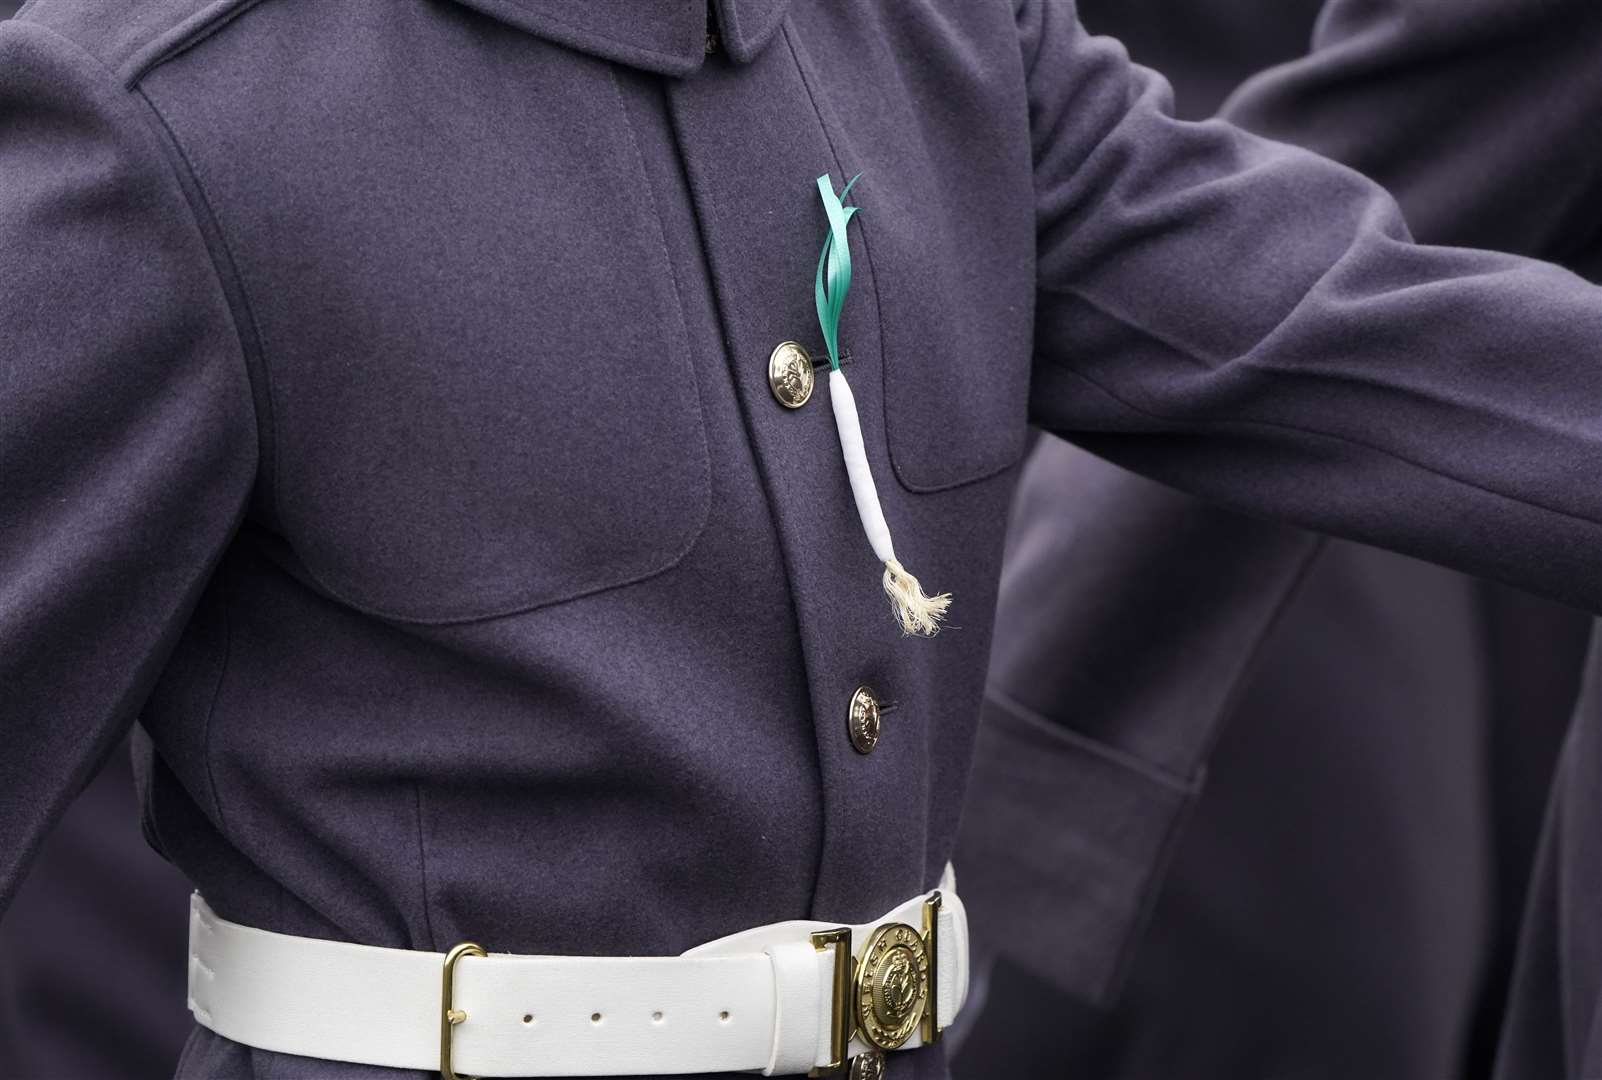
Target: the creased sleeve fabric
(1479, 117)
(127, 433)
(1253, 323)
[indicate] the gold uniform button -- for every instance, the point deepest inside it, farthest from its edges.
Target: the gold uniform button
(868, 1065)
(790, 374)
(862, 721)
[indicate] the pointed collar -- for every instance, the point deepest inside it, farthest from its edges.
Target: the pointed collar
(665, 36)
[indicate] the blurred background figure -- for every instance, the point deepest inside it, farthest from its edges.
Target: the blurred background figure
(1345, 896)
(92, 951)
(93, 948)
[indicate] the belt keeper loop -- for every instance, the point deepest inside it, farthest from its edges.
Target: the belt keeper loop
(797, 988)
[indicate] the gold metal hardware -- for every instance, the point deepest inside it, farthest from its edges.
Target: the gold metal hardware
(892, 986)
(840, 1024)
(790, 374)
(931, 1029)
(862, 720)
(449, 1015)
(868, 1065)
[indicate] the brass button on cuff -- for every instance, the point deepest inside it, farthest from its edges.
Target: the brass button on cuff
(790, 375)
(862, 721)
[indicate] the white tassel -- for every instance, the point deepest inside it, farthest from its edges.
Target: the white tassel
(915, 611)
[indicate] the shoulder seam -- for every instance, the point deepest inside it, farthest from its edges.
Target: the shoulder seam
(181, 37)
(171, 155)
(132, 52)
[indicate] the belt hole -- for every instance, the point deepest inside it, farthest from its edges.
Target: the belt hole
(656, 1018)
(528, 1018)
(724, 1017)
(595, 1018)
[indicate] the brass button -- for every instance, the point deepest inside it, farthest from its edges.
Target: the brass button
(868, 1065)
(790, 375)
(862, 721)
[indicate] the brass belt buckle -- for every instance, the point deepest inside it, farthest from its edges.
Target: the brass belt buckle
(892, 991)
(449, 1015)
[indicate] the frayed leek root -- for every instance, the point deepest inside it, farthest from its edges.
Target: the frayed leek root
(916, 611)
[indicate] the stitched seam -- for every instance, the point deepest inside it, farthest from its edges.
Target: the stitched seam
(422, 866)
(513, 10)
(826, 839)
(255, 344)
(1082, 743)
(217, 270)
(867, 246)
(216, 696)
(577, 592)
(186, 34)
(690, 185)
(1150, 891)
(1068, 368)
(907, 483)
(678, 310)
(592, 587)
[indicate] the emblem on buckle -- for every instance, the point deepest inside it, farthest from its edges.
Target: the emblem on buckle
(892, 986)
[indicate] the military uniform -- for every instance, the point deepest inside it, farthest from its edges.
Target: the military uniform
(387, 412)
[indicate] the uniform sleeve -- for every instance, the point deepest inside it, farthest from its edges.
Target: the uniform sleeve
(1252, 323)
(127, 440)
(1480, 117)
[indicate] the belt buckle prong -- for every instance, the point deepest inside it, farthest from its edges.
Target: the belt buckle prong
(449, 1015)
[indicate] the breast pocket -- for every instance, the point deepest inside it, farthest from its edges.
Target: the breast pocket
(953, 284)
(484, 394)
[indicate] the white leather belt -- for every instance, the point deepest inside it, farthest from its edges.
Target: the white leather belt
(793, 997)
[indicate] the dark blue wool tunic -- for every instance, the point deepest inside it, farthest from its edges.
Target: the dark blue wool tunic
(384, 419)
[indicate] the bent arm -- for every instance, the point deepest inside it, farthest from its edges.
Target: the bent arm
(1252, 323)
(127, 444)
